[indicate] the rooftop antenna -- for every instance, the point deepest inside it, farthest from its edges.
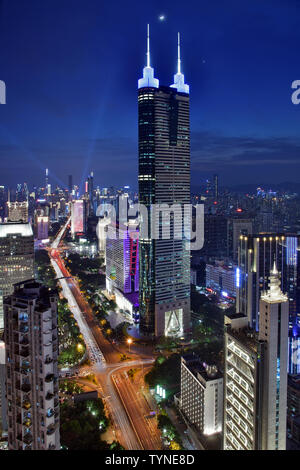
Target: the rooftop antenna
(179, 60)
(148, 45)
(148, 80)
(179, 77)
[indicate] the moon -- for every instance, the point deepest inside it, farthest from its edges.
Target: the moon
(162, 17)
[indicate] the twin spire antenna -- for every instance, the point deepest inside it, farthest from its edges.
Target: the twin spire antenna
(148, 79)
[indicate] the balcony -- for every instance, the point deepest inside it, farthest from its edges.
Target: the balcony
(50, 413)
(26, 405)
(48, 360)
(50, 430)
(27, 422)
(28, 438)
(49, 378)
(49, 396)
(24, 352)
(26, 388)
(24, 342)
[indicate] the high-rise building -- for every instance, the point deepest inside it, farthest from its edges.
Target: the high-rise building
(201, 396)
(2, 203)
(236, 227)
(31, 368)
(273, 329)
(16, 258)
(122, 259)
(216, 187)
(256, 256)
(255, 376)
(243, 381)
(78, 217)
(221, 278)
(3, 401)
(164, 178)
(215, 236)
(41, 225)
(17, 211)
(70, 184)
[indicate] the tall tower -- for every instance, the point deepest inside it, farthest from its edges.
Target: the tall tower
(31, 368)
(274, 329)
(164, 178)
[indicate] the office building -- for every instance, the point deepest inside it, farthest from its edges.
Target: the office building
(237, 226)
(3, 401)
(273, 329)
(17, 211)
(31, 368)
(243, 381)
(220, 277)
(255, 378)
(164, 178)
(122, 259)
(215, 236)
(257, 253)
(78, 217)
(41, 226)
(16, 258)
(293, 397)
(201, 395)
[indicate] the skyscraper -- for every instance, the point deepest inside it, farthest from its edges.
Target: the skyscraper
(256, 256)
(16, 258)
(273, 329)
(255, 376)
(31, 368)
(164, 178)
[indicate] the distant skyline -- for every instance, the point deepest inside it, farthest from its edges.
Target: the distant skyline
(71, 77)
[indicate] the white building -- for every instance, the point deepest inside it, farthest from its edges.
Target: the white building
(31, 341)
(273, 329)
(201, 397)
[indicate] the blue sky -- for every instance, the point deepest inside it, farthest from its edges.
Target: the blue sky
(71, 70)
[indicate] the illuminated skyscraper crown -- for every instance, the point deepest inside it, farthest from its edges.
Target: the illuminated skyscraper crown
(148, 79)
(274, 293)
(179, 77)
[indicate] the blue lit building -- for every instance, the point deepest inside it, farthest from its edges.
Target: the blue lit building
(164, 178)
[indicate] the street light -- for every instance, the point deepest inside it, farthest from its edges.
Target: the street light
(129, 342)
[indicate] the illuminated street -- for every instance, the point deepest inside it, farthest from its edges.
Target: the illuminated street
(127, 414)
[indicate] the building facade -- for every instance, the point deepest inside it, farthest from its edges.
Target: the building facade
(256, 256)
(16, 258)
(17, 211)
(31, 340)
(243, 378)
(201, 396)
(164, 179)
(273, 329)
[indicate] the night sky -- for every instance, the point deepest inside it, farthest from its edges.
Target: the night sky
(71, 70)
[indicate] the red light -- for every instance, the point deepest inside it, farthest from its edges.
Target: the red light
(239, 210)
(215, 202)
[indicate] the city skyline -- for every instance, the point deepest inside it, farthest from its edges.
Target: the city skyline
(64, 92)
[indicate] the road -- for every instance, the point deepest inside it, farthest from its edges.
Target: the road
(105, 360)
(138, 411)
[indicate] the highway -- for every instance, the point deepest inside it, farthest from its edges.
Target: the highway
(124, 409)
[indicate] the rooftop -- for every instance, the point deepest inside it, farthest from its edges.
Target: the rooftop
(16, 228)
